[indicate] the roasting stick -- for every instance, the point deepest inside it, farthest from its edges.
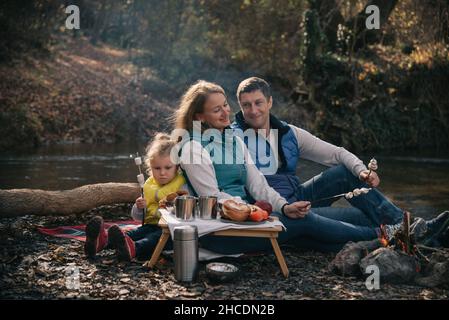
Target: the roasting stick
(349, 195)
(141, 181)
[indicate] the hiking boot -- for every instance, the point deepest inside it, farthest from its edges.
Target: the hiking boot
(388, 231)
(123, 244)
(436, 230)
(438, 224)
(419, 229)
(96, 237)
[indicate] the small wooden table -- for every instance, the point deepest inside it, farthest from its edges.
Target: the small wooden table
(271, 233)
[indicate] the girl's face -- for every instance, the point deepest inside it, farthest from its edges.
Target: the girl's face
(216, 112)
(162, 169)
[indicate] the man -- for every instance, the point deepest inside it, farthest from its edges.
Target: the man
(276, 153)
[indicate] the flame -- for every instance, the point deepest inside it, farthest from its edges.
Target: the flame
(383, 242)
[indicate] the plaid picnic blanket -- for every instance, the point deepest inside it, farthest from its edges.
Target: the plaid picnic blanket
(78, 232)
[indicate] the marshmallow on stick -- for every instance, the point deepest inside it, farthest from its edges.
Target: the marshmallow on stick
(141, 180)
(372, 166)
(356, 192)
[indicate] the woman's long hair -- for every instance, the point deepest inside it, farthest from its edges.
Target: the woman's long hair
(192, 103)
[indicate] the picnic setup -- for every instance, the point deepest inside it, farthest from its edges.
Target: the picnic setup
(263, 229)
(230, 151)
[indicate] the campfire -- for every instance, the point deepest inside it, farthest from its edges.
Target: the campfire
(400, 260)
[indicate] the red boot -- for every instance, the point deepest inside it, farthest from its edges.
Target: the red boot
(96, 237)
(125, 246)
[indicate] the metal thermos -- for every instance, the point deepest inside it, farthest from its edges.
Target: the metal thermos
(185, 246)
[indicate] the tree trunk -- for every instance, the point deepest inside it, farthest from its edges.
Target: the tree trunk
(330, 18)
(364, 36)
(20, 202)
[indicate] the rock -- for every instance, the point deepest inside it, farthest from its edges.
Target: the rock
(347, 261)
(394, 266)
(436, 273)
(123, 292)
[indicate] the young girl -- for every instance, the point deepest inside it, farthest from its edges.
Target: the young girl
(164, 179)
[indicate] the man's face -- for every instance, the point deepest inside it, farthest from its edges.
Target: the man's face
(256, 109)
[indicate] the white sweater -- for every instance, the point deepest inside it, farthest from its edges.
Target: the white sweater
(314, 149)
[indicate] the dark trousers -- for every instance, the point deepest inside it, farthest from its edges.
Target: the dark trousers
(146, 238)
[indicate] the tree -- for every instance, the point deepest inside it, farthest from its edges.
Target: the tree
(363, 36)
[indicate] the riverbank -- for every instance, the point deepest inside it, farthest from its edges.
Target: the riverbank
(78, 93)
(34, 266)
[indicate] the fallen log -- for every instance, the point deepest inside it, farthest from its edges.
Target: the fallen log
(20, 202)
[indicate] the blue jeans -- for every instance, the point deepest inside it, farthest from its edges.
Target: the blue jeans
(324, 228)
(315, 231)
(374, 205)
(146, 238)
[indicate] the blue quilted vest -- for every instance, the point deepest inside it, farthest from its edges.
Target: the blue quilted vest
(282, 179)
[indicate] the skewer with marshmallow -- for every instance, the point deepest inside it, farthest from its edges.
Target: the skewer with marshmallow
(141, 181)
(349, 195)
(357, 192)
(372, 166)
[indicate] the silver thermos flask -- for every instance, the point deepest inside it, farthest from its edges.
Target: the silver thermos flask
(185, 246)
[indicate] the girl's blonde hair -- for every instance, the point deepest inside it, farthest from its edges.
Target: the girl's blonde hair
(192, 103)
(161, 146)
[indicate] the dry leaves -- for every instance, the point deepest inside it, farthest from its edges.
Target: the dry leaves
(38, 268)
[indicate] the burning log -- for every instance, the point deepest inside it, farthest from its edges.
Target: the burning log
(20, 202)
(399, 260)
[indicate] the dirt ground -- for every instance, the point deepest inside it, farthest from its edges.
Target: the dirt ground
(35, 266)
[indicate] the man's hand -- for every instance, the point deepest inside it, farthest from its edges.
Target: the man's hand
(373, 179)
(298, 209)
(140, 203)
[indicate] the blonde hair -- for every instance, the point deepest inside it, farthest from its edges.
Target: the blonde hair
(192, 103)
(160, 146)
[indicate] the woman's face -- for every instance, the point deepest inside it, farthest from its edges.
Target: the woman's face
(216, 112)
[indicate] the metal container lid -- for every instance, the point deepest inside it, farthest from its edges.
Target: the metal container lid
(184, 233)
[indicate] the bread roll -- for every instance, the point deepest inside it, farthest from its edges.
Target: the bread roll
(236, 211)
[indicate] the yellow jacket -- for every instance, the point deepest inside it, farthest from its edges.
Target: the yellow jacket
(153, 192)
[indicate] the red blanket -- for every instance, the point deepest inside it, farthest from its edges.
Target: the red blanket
(78, 232)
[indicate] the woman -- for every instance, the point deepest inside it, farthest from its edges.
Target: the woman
(225, 170)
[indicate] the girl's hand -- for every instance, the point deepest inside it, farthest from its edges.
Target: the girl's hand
(140, 203)
(298, 209)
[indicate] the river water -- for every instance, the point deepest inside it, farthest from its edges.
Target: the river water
(419, 184)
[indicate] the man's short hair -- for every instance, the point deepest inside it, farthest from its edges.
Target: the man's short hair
(253, 84)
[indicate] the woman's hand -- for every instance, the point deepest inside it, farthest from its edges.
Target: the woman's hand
(298, 209)
(140, 203)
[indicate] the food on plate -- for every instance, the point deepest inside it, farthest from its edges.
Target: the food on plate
(257, 214)
(235, 211)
